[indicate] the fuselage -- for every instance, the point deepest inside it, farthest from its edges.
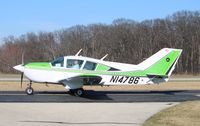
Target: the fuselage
(112, 73)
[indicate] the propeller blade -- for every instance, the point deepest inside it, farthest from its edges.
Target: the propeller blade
(23, 58)
(22, 75)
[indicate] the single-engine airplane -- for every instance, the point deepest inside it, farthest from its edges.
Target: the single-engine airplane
(75, 71)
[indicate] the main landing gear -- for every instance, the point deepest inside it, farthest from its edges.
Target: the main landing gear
(29, 89)
(77, 92)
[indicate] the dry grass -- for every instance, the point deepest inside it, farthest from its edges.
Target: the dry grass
(12, 86)
(15, 86)
(187, 85)
(9, 75)
(184, 114)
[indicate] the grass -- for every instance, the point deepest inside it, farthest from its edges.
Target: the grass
(16, 86)
(183, 114)
(173, 85)
(9, 86)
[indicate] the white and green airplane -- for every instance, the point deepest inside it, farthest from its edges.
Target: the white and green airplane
(75, 71)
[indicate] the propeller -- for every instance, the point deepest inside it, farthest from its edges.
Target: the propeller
(22, 73)
(22, 76)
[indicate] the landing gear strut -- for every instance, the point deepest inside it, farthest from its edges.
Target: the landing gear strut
(77, 92)
(29, 89)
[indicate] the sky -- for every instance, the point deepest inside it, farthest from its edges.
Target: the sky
(18, 17)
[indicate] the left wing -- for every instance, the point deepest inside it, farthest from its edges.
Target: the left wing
(79, 81)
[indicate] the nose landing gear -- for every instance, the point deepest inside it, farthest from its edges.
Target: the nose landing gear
(29, 89)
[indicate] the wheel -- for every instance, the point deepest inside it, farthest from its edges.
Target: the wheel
(29, 91)
(78, 92)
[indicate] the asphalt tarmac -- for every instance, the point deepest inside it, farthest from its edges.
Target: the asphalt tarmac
(96, 108)
(101, 96)
(78, 114)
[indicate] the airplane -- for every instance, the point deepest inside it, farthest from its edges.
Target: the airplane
(75, 71)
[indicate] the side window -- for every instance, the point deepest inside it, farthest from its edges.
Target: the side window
(58, 62)
(89, 66)
(74, 64)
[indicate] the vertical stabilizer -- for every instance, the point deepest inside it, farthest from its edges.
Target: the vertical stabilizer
(161, 63)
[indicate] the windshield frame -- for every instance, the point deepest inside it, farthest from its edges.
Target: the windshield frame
(59, 60)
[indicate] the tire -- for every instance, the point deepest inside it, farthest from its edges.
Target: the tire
(79, 92)
(29, 91)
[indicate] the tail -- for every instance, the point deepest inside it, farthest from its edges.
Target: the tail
(162, 63)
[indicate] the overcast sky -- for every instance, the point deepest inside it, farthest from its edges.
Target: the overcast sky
(22, 16)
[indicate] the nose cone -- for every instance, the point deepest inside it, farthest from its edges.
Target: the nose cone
(19, 68)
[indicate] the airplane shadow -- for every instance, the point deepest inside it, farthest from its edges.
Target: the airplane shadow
(97, 96)
(107, 95)
(93, 92)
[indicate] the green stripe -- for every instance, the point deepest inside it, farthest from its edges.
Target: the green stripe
(102, 67)
(38, 65)
(86, 72)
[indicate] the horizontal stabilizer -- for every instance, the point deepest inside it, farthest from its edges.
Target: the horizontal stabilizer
(157, 76)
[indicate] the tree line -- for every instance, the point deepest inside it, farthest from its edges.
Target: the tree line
(125, 40)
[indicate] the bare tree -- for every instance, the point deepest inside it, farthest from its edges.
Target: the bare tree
(124, 40)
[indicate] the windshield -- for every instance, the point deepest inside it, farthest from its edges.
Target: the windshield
(58, 62)
(73, 63)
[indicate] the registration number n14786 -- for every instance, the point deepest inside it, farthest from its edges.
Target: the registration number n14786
(124, 79)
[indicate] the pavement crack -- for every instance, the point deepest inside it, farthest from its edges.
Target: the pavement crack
(83, 123)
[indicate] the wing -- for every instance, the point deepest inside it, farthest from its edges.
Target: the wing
(79, 81)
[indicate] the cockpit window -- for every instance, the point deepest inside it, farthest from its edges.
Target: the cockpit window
(74, 64)
(89, 66)
(58, 62)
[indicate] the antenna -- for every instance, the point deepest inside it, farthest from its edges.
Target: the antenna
(78, 52)
(104, 57)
